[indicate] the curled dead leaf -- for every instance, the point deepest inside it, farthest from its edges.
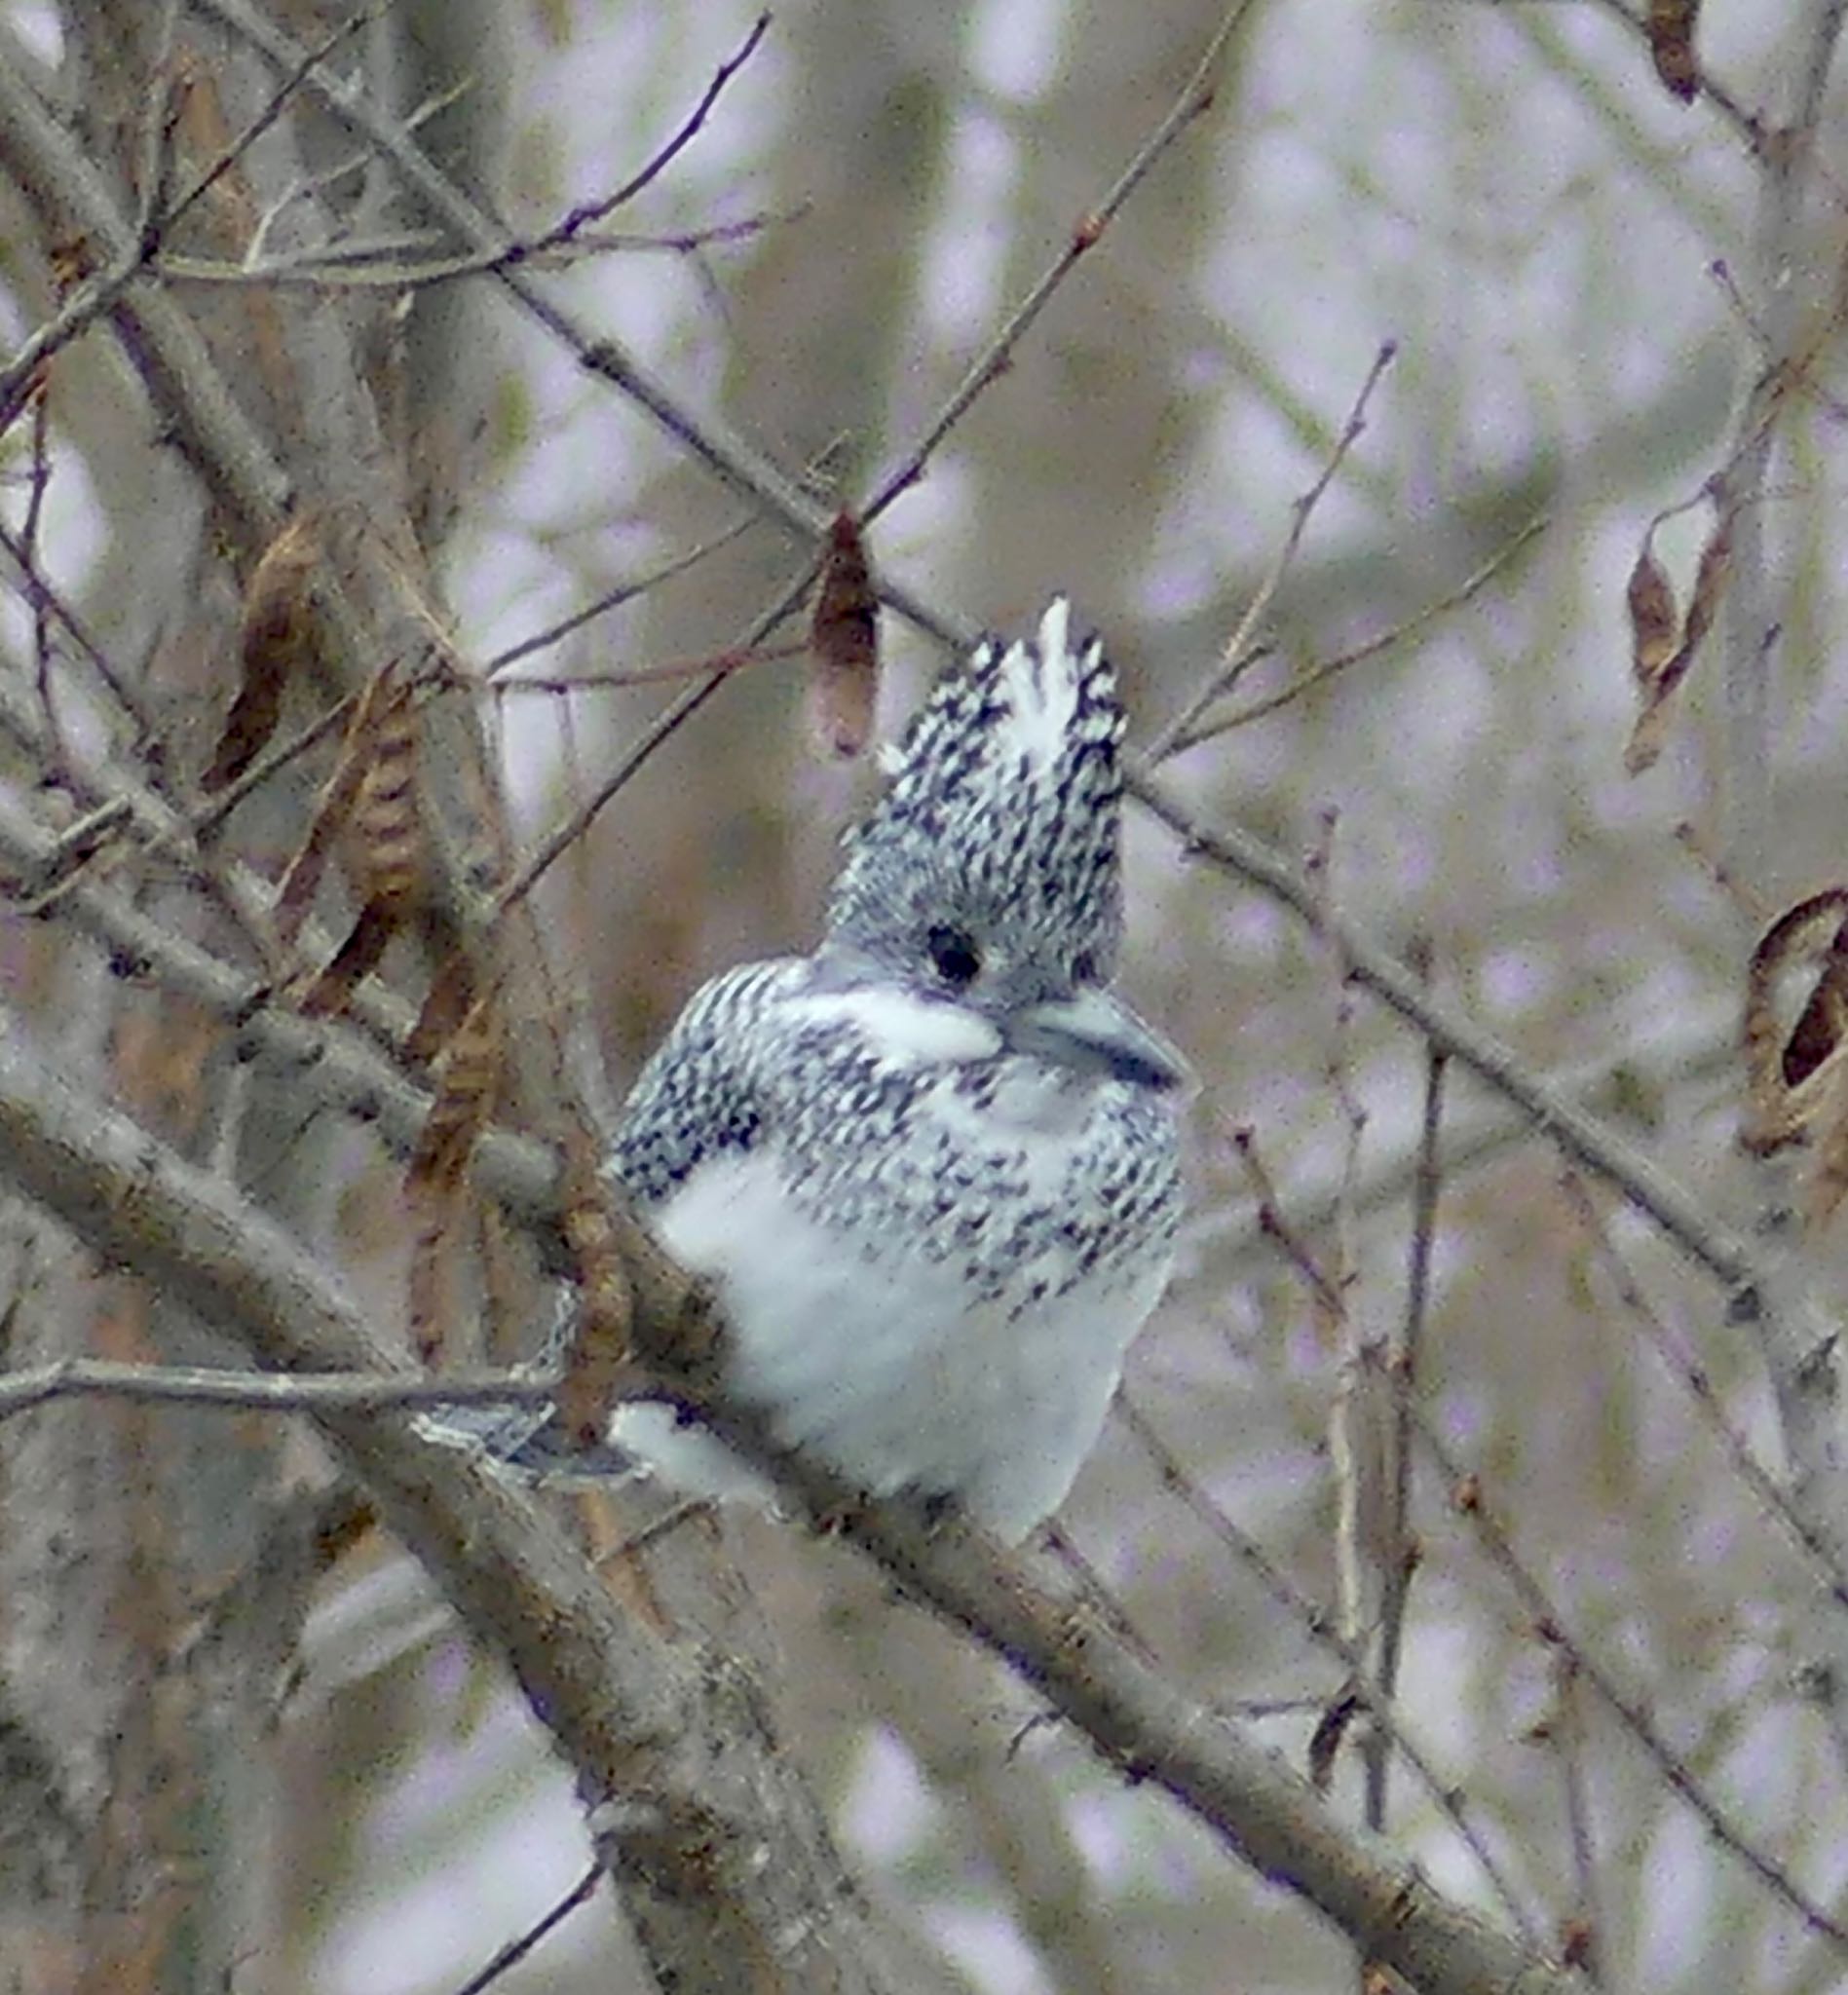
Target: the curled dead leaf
(276, 635)
(1709, 585)
(468, 1075)
(370, 802)
(1795, 1042)
(1660, 657)
(1654, 619)
(844, 644)
(385, 844)
(329, 993)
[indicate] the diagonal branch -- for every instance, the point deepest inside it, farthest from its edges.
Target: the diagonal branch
(1724, 1254)
(131, 252)
(610, 1694)
(728, 456)
(633, 1714)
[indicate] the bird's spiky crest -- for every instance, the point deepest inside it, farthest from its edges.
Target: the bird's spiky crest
(1004, 810)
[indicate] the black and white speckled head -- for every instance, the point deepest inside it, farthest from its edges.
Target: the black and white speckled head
(991, 864)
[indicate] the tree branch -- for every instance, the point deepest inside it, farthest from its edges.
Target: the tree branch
(701, 1781)
(1724, 1254)
(611, 1693)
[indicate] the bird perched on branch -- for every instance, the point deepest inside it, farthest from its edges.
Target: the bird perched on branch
(929, 1170)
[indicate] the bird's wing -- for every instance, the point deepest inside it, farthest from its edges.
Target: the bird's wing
(698, 1097)
(693, 1100)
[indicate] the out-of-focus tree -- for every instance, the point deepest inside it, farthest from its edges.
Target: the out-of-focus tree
(419, 426)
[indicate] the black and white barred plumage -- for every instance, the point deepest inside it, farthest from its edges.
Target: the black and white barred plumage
(931, 1168)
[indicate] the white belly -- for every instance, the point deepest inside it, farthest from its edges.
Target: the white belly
(877, 1363)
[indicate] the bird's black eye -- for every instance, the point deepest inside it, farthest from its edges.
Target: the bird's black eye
(1084, 967)
(953, 956)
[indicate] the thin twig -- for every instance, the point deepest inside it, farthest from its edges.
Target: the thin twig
(1194, 100)
(280, 97)
(674, 715)
(1325, 1289)
(380, 266)
(1708, 1242)
(516, 1950)
(732, 461)
(300, 1392)
(1402, 1369)
(1745, 124)
(728, 457)
(667, 672)
(1631, 1712)
(1239, 653)
(612, 599)
(1448, 1798)
(40, 592)
(38, 481)
(160, 123)
(1693, 1377)
(1567, 1735)
(101, 293)
(1418, 621)
(581, 217)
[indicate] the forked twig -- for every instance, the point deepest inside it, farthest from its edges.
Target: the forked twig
(1239, 653)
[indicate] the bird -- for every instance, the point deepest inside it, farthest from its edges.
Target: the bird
(931, 1170)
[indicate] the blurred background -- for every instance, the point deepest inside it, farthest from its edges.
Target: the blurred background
(1570, 264)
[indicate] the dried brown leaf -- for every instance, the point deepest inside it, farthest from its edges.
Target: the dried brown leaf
(371, 801)
(468, 1075)
(447, 1004)
(385, 846)
(276, 635)
(328, 994)
(844, 644)
(1654, 622)
(301, 878)
(1709, 585)
(1659, 660)
(1794, 1072)
(1670, 29)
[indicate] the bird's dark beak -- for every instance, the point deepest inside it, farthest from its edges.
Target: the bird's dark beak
(1093, 1032)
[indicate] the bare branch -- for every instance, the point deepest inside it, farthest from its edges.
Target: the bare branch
(1746, 125)
(1447, 1795)
(313, 1392)
(1401, 1370)
(383, 264)
(1713, 1247)
(1238, 654)
(516, 1950)
(1194, 100)
(1181, 738)
(631, 1710)
(606, 1688)
(1632, 1711)
(580, 219)
(131, 251)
